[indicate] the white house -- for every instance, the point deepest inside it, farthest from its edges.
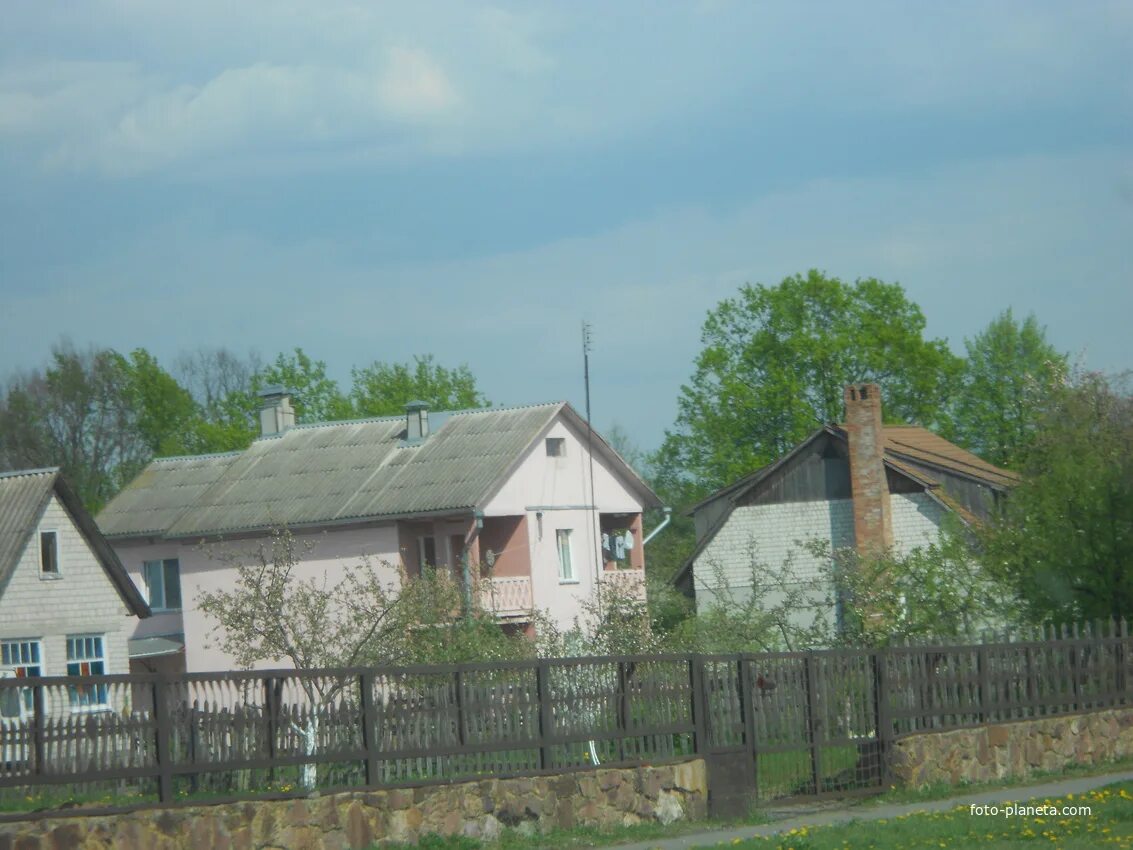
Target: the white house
(67, 606)
(861, 485)
(513, 488)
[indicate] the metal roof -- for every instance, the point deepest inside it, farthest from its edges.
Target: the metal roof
(23, 497)
(338, 472)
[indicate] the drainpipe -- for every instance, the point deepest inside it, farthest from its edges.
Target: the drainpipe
(666, 521)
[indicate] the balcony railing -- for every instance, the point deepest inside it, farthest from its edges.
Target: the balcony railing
(507, 597)
(630, 582)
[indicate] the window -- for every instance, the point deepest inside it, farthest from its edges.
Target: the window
(49, 553)
(85, 657)
(427, 551)
(566, 564)
(163, 584)
(22, 657)
(556, 447)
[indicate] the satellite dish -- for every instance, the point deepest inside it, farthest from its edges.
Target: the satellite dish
(490, 558)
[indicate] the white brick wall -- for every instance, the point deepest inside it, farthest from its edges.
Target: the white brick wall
(80, 601)
(770, 534)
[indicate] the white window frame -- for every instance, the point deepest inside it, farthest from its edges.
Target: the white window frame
(58, 571)
(21, 668)
(566, 564)
(556, 447)
(79, 701)
(161, 564)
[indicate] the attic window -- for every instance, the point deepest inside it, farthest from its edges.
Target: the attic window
(556, 447)
(49, 553)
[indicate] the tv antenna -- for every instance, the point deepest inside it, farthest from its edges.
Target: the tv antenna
(596, 542)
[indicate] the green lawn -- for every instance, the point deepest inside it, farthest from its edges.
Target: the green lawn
(1109, 824)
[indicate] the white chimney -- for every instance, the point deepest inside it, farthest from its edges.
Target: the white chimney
(416, 421)
(276, 412)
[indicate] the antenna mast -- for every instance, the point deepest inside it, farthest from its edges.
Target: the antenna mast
(596, 542)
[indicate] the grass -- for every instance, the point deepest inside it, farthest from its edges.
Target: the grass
(1109, 824)
(943, 790)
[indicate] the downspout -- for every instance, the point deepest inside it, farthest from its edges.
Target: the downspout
(664, 522)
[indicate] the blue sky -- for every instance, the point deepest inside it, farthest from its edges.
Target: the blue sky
(371, 181)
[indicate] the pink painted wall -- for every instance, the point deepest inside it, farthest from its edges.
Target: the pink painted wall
(331, 555)
(561, 487)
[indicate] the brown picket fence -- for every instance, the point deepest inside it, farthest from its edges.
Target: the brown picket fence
(771, 726)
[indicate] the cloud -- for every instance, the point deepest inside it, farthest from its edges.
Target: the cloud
(139, 87)
(267, 108)
(1042, 233)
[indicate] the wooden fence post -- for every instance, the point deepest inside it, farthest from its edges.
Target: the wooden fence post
(813, 721)
(1076, 686)
(369, 727)
(163, 735)
(39, 726)
(1119, 657)
(984, 673)
(882, 717)
(623, 708)
(699, 704)
(458, 687)
(546, 715)
(271, 718)
(747, 715)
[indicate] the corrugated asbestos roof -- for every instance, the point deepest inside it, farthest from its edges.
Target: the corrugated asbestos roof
(335, 472)
(23, 496)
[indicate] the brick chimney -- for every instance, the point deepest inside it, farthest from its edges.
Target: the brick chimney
(873, 522)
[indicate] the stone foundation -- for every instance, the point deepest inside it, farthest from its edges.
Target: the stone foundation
(361, 819)
(1015, 750)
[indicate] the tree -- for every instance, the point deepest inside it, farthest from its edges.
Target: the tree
(317, 397)
(1064, 540)
(773, 368)
(167, 418)
(382, 389)
(935, 592)
(1010, 370)
(221, 384)
(77, 414)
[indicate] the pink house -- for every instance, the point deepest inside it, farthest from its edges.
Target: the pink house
(510, 491)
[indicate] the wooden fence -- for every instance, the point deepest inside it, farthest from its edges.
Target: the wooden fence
(811, 722)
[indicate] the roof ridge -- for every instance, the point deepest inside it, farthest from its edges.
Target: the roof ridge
(329, 423)
(42, 470)
(230, 453)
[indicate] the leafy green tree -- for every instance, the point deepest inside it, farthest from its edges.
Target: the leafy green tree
(774, 364)
(317, 397)
(166, 417)
(382, 389)
(1065, 538)
(76, 414)
(1010, 370)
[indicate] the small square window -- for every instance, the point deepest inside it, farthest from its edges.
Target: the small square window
(556, 447)
(49, 553)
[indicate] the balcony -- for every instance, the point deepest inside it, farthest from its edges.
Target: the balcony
(629, 582)
(508, 597)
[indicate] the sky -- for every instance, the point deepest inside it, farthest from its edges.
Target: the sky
(372, 181)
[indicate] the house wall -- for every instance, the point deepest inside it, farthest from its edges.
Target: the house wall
(554, 493)
(771, 534)
(82, 600)
(330, 556)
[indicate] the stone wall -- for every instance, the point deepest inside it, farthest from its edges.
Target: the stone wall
(1016, 750)
(361, 819)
